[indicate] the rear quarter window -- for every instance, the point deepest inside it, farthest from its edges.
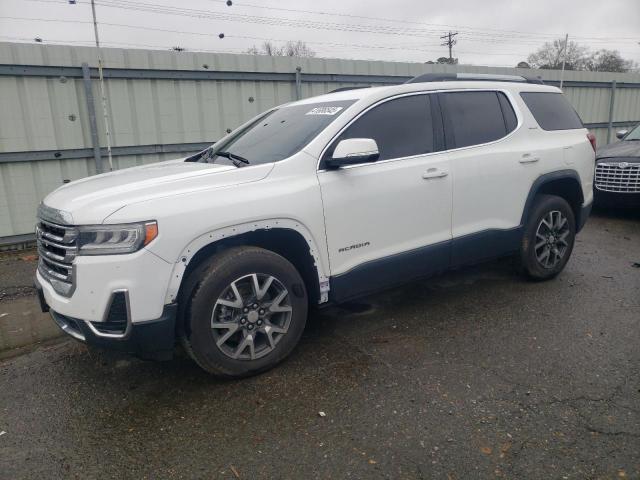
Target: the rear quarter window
(552, 111)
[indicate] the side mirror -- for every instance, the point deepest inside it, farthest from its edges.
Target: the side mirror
(353, 151)
(621, 133)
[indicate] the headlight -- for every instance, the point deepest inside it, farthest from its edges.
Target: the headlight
(115, 239)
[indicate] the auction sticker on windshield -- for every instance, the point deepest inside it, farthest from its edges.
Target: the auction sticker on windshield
(324, 111)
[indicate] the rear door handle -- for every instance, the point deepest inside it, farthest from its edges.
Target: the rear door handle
(527, 158)
(434, 173)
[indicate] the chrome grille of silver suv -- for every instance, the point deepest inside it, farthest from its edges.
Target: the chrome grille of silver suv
(57, 247)
(618, 177)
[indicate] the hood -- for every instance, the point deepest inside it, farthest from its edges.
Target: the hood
(92, 199)
(630, 148)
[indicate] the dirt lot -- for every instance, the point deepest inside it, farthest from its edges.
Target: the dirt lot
(476, 374)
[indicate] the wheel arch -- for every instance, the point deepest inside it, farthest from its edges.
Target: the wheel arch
(288, 238)
(563, 183)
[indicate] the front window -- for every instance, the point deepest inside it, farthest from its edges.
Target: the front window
(633, 134)
(402, 127)
(276, 135)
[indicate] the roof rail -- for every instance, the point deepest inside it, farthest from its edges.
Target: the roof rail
(344, 89)
(453, 77)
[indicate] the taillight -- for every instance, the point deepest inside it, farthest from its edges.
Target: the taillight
(592, 140)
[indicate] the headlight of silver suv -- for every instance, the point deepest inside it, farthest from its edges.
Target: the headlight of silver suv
(115, 239)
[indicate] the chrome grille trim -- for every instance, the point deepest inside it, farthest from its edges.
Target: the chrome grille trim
(57, 249)
(618, 177)
(68, 325)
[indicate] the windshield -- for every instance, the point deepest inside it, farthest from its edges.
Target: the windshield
(276, 135)
(633, 134)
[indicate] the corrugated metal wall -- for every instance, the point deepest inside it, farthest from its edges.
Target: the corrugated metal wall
(43, 116)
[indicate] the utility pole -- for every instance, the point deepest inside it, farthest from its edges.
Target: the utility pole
(102, 92)
(449, 41)
(564, 58)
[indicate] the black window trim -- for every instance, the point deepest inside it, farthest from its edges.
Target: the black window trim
(449, 140)
(437, 123)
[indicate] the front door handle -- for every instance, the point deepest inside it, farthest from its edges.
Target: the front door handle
(527, 158)
(434, 173)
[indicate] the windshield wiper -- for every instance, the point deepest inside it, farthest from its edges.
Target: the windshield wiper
(232, 157)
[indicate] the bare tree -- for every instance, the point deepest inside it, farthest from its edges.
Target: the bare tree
(609, 61)
(579, 57)
(550, 56)
(289, 49)
(298, 49)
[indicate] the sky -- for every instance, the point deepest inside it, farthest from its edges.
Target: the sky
(490, 32)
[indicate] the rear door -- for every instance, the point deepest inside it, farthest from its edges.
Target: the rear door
(492, 167)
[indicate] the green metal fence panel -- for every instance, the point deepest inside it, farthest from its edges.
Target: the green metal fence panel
(165, 105)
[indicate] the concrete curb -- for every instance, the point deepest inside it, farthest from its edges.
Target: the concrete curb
(23, 324)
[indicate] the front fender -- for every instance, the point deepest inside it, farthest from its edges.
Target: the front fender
(197, 244)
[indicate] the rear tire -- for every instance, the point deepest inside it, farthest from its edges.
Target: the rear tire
(548, 238)
(245, 312)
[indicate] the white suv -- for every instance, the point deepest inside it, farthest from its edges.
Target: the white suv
(314, 202)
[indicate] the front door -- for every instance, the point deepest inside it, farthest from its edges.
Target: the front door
(390, 220)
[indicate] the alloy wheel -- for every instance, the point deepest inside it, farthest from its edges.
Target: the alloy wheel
(551, 239)
(251, 316)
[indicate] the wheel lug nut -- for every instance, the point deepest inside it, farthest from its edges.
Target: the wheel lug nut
(261, 311)
(250, 327)
(259, 322)
(255, 305)
(245, 309)
(243, 320)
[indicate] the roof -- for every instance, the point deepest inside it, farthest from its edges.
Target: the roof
(378, 93)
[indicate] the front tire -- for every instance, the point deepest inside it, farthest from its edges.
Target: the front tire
(246, 312)
(548, 238)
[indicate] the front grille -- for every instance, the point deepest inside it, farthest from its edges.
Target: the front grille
(57, 247)
(618, 177)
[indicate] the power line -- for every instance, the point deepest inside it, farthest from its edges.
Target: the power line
(204, 50)
(53, 41)
(365, 17)
(330, 44)
(304, 23)
(162, 9)
(216, 35)
(438, 25)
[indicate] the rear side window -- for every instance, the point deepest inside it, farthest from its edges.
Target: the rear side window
(473, 118)
(552, 111)
(401, 127)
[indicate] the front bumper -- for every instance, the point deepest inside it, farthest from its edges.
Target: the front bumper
(153, 339)
(616, 200)
(96, 278)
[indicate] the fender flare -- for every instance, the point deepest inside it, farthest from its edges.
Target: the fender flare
(190, 251)
(541, 181)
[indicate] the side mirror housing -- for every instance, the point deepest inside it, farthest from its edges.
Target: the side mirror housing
(621, 133)
(353, 151)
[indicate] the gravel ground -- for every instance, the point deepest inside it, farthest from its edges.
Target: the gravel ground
(16, 274)
(475, 374)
